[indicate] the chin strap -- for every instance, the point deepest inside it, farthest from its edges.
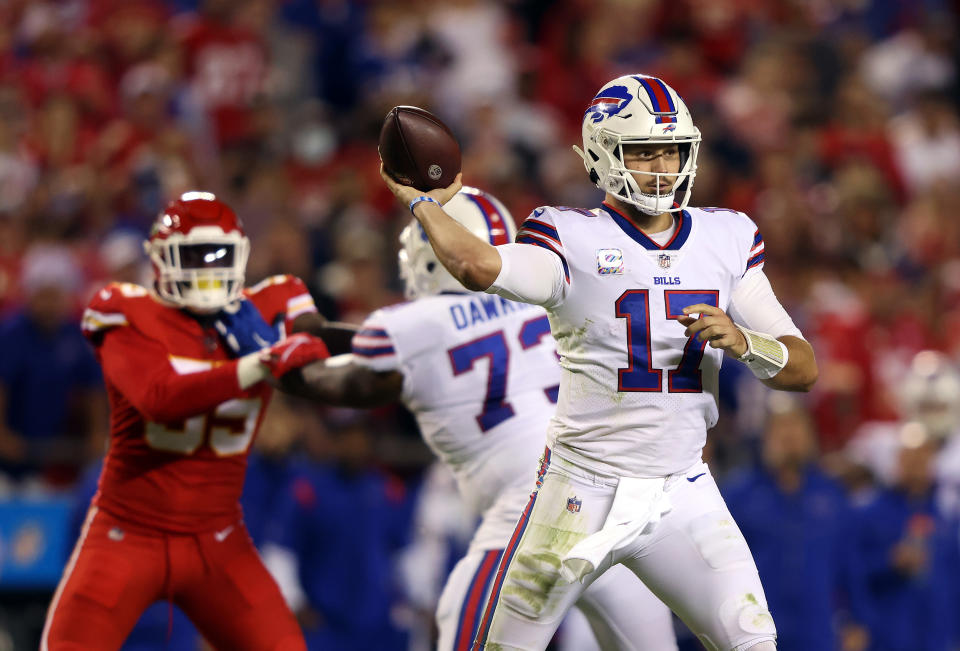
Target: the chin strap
(765, 356)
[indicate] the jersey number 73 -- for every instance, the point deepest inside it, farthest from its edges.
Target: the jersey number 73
(494, 348)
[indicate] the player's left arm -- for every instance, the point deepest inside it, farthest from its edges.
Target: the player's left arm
(370, 376)
(336, 334)
(759, 333)
(340, 382)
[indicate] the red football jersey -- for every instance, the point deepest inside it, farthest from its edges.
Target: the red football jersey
(180, 425)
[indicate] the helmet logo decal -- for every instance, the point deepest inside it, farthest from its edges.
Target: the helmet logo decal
(663, 105)
(669, 128)
(608, 102)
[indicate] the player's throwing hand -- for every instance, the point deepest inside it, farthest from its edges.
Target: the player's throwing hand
(406, 193)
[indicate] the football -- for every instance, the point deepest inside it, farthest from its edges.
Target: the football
(418, 149)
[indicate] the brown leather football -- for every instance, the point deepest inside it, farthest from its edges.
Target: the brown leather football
(418, 149)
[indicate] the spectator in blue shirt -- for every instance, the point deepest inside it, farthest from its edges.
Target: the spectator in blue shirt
(905, 554)
(342, 524)
(792, 516)
(52, 404)
(270, 464)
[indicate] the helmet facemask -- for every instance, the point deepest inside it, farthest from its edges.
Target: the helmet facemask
(622, 181)
(203, 270)
(418, 264)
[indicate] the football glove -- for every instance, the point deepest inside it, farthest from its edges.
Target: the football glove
(292, 353)
(243, 329)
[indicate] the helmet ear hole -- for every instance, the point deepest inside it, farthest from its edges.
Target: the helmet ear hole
(431, 266)
(594, 177)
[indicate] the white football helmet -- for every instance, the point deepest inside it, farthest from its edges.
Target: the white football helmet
(637, 109)
(481, 213)
(199, 253)
(930, 393)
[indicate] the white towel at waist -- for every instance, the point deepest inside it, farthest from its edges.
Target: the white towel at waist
(637, 503)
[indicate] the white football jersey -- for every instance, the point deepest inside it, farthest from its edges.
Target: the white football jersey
(637, 396)
(480, 376)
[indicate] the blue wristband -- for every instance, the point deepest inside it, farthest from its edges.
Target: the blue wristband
(421, 199)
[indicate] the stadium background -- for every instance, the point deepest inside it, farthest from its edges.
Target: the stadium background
(833, 123)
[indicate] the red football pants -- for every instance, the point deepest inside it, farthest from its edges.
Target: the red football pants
(117, 570)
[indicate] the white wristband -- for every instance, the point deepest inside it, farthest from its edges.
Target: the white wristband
(765, 356)
(250, 370)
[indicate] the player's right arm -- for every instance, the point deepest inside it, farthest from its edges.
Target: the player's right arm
(526, 274)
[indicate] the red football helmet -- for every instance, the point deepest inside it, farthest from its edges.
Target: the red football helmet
(199, 252)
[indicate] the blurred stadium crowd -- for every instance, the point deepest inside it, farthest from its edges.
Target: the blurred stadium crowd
(834, 123)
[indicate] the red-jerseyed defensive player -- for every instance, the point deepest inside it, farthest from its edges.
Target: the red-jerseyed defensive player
(187, 364)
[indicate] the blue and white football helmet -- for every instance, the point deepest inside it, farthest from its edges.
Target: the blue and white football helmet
(481, 213)
(637, 109)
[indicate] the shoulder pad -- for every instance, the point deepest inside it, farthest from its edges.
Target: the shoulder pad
(276, 281)
(579, 211)
(373, 346)
(282, 294)
(111, 307)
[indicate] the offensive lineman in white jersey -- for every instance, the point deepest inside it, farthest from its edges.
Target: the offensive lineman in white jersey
(480, 374)
(634, 290)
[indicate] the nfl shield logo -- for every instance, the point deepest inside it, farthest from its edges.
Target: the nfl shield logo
(664, 260)
(573, 504)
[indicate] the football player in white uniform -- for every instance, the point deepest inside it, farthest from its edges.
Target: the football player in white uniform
(635, 291)
(481, 376)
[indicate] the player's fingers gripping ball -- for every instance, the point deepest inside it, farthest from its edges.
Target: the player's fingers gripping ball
(418, 149)
(407, 194)
(292, 353)
(419, 155)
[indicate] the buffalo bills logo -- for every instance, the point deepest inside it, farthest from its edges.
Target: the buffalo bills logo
(608, 102)
(669, 128)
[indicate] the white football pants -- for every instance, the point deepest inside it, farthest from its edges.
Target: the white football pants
(694, 559)
(622, 612)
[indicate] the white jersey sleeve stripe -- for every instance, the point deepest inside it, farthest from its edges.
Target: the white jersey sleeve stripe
(370, 342)
(373, 351)
(302, 304)
(93, 320)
